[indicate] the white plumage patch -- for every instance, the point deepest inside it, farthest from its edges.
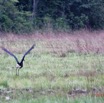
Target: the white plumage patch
(18, 66)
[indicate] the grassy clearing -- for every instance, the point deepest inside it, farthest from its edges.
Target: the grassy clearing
(55, 70)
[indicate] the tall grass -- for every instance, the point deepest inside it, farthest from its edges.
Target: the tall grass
(63, 65)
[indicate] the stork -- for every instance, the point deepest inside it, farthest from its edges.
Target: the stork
(19, 65)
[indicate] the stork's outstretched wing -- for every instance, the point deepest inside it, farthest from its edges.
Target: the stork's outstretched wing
(27, 52)
(10, 54)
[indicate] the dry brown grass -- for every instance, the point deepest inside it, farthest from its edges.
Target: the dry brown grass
(59, 44)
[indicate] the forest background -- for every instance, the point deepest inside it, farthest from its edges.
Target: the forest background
(26, 16)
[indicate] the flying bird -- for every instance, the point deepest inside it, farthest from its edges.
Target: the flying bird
(19, 65)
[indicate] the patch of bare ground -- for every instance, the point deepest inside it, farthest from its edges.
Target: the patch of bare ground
(10, 93)
(98, 92)
(83, 72)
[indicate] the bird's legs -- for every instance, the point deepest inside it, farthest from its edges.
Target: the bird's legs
(17, 71)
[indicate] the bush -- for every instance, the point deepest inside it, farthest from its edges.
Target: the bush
(61, 24)
(22, 25)
(5, 23)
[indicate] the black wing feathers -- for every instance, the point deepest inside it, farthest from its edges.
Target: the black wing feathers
(27, 53)
(15, 56)
(10, 54)
(29, 50)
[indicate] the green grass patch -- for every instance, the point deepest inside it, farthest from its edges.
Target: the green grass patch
(50, 76)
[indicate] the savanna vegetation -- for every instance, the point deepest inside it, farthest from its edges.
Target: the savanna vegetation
(67, 63)
(62, 69)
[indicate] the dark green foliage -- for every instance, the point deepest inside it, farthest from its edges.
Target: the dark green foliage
(7, 13)
(74, 14)
(17, 15)
(25, 5)
(12, 20)
(22, 23)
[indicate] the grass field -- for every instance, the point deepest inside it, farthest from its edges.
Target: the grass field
(60, 69)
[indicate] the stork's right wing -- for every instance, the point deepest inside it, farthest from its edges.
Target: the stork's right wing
(27, 52)
(10, 54)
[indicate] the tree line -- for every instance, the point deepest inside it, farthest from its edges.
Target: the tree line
(22, 16)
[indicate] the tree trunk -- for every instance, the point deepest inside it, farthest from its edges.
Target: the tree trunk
(34, 7)
(35, 2)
